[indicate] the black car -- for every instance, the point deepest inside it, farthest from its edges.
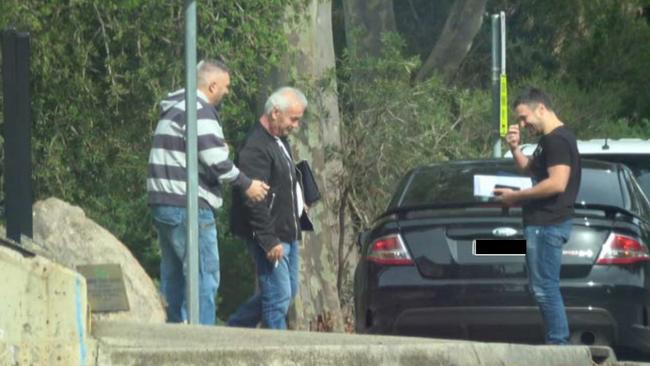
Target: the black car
(419, 274)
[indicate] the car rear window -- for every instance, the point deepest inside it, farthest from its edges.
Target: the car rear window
(638, 163)
(454, 183)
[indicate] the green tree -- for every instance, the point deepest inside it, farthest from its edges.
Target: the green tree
(99, 69)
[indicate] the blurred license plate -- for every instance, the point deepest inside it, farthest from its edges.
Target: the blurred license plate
(482, 247)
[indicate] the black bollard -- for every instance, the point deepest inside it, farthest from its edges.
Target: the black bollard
(18, 194)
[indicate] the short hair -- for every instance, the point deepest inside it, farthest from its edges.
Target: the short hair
(207, 67)
(532, 97)
(279, 99)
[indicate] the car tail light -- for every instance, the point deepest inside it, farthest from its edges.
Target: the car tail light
(389, 250)
(622, 249)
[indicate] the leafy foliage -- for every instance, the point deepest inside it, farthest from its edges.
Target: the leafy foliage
(596, 49)
(392, 125)
(98, 70)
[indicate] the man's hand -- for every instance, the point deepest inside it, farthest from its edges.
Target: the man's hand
(257, 190)
(275, 254)
(506, 196)
(513, 137)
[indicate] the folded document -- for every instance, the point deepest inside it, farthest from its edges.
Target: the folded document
(484, 185)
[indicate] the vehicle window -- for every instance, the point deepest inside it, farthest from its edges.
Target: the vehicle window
(638, 163)
(448, 184)
(644, 182)
(638, 194)
(601, 186)
(628, 189)
(400, 188)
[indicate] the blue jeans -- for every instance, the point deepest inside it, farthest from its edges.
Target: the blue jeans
(544, 260)
(277, 286)
(171, 224)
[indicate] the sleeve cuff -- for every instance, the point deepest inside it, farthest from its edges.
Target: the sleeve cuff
(242, 181)
(269, 242)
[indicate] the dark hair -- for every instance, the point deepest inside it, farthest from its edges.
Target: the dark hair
(205, 68)
(532, 97)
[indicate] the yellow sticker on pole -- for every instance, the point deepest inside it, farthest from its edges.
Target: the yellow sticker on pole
(503, 106)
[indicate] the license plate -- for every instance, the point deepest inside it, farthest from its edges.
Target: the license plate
(500, 247)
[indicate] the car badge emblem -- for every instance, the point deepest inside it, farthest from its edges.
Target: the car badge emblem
(504, 232)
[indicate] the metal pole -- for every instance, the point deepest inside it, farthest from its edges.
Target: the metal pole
(496, 151)
(503, 82)
(192, 256)
(503, 42)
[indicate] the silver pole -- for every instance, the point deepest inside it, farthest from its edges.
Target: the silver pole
(192, 256)
(503, 42)
(496, 69)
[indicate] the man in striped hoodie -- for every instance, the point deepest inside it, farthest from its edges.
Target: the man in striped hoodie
(166, 185)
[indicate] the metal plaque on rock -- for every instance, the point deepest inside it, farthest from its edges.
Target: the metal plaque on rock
(106, 290)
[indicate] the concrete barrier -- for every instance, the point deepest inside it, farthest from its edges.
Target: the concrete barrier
(126, 344)
(43, 312)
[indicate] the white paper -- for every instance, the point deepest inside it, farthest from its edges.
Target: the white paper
(484, 184)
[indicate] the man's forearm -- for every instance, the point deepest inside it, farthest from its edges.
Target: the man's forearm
(546, 188)
(521, 160)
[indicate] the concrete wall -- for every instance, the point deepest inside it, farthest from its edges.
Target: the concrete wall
(43, 313)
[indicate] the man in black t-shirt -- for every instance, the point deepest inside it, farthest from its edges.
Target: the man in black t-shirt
(548, 205)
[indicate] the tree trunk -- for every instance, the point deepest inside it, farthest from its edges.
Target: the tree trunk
(463, 22)
(365, 22)
(317, 306)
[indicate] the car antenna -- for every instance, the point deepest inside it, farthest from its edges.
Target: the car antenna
(605, 146)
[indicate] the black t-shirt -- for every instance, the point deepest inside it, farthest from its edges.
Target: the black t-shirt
(556, 148)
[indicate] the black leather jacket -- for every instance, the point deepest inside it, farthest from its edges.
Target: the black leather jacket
(274, 219)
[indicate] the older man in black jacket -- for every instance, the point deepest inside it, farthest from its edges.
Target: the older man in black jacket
(271, 227)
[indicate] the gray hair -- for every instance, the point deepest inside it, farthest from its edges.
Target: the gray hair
(280, 99)
(205, 68)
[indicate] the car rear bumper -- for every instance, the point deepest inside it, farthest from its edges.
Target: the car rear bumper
(598, 315)
(638, 338)
(399, 301)
(518, 323)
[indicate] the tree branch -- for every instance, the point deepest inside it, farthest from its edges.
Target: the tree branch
(106, 47)
(462, 25)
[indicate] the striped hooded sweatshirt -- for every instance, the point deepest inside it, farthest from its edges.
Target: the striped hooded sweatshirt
(166, 182)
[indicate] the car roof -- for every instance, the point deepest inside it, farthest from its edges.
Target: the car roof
(602, 146)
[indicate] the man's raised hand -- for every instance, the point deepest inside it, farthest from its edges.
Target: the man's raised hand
(513, 137)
